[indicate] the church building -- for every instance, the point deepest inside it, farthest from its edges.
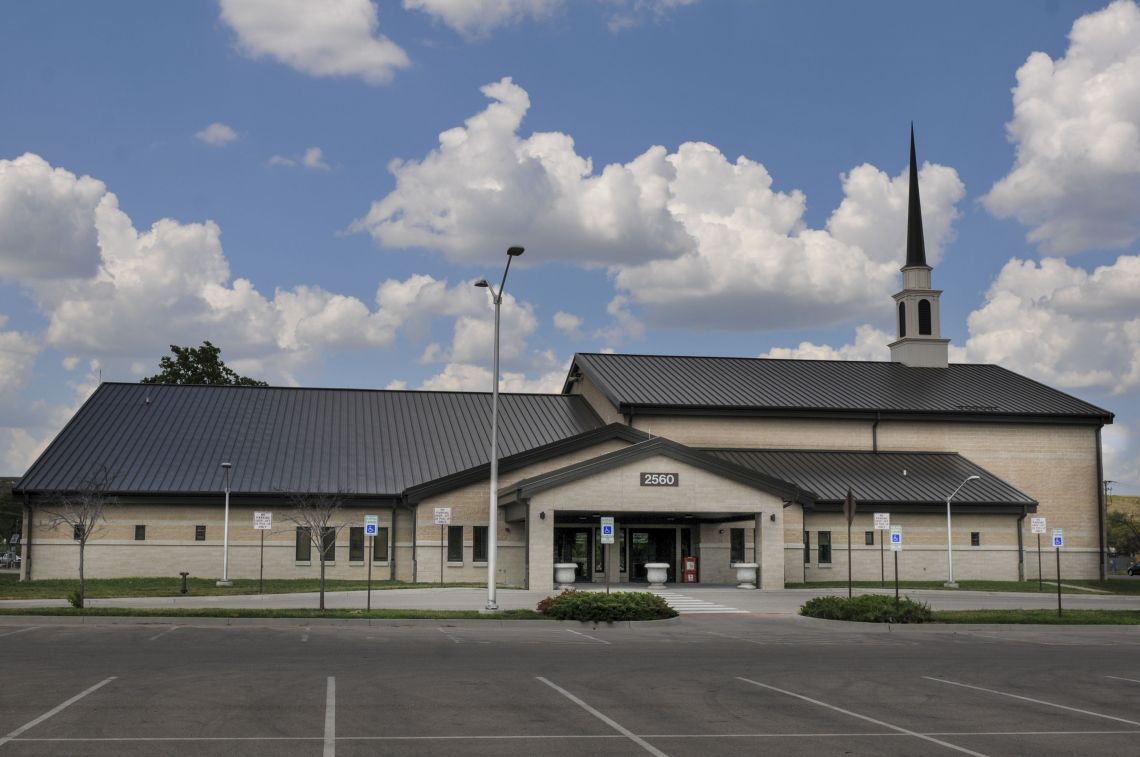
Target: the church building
(702, 463)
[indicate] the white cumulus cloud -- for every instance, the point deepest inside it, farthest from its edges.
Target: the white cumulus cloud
(690, 237)
(625, 14)
(216, 134)
(329, 38)
(870, 344)
(312, 158)
(477, 18)
(1076, 127)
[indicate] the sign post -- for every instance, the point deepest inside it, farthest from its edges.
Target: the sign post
(1058, 542)
(882, 523)
(896, 547)
(442, 516)
(371, 525)
(262, 522)
(607, 540)
(1037, 526)
(849, 512)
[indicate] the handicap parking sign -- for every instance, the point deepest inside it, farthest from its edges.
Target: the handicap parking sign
(1058, 538)
(371, 525)
(607, 530)
(370, 529)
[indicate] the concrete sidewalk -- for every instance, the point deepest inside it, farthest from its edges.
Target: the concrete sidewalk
(761, 602)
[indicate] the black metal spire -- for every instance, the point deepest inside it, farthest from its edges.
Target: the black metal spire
(915, 246)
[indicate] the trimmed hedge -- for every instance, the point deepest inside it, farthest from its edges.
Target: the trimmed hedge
(599, 607)
(868, 608)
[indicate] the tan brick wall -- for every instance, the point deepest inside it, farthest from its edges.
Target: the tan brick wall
(773, 433)
(170, 548)
(597, 400)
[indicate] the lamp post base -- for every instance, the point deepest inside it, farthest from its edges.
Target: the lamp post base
(490, 609)
(951, 584)
(224, 584)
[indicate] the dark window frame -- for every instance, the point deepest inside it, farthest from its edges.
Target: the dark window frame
(975, 538)
(902, 319)
(356, 543)
(303, 551)
(455, 544)
(380, 545)
(925, 320)
(868, 538)
(77, 532)
(140, 532)
(823, 547)
(480, 536)
(328, 544)
(807, 547)
(199, 533)
(737, 552)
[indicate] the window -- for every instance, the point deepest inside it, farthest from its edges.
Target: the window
(356, 544)
(380, 545)
(807, 547)
(328, 543)
(599, 552)
(924, 317)
(455, 544)
(479, 543)
(140, 533)
(736, 553)
(975, 538)
(304, 548)
(623, 547)
(77, 533)
(869, 538)
(902, 319)
(199, 533)
(824, 540)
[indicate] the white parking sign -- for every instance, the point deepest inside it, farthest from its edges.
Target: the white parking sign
(371, 525)
(607, 530)
(1036, 525)
(882, 521)
(896, 538)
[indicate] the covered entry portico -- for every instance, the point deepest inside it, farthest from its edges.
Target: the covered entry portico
(709, 508)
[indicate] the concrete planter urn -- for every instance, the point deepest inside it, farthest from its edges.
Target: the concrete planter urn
(746, 574)
(564, 573)
(657, 573)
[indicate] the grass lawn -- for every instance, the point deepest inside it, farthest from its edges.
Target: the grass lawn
(103, 588)
(1026, 586)
(212, 612)
(1049, 617)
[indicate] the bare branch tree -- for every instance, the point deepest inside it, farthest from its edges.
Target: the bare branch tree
(83, 510)
(315, 514)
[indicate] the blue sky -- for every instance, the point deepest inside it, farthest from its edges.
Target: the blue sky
(702, 177)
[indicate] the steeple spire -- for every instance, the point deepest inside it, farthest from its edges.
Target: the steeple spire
(915, 246)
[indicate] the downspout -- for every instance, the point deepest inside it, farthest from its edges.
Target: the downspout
(415, 555)
(526, 538)
(26, 549)
(875, 433)
(1021, 545)
(392, 550)
(1102, 508)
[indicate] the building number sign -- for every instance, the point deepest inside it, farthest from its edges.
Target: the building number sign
(658, 479)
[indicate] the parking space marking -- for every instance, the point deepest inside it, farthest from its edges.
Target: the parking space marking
(160, 635)
(330, 719)
(305, 635)
(1035, 701)
(885, 724)
(449, 635)
(588, 636)
(18, 630)
(55, 710)
(1118, 678)
(606, 719)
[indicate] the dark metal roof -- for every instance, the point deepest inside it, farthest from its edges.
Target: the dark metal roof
(877, 477)
(173, 439)
(646, 382)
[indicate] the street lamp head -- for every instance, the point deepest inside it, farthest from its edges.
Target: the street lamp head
(514, 252)
(973, 478)
(227, 466)
(482, 283)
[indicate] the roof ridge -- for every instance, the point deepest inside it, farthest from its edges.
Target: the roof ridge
(370, 390)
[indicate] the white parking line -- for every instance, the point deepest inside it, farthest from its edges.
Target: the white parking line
(18, 630)
(607, 720)
(1118, 678)
(885, 724)
(588, 636)
(330, 719)
(160, 635)
(305, 635)
(57, 709)
(1035, 701)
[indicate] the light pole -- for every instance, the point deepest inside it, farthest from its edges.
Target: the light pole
(493, 526)
(950, 584)
(226, 532)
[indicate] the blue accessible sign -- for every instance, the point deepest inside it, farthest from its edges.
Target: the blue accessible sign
(1058, 538)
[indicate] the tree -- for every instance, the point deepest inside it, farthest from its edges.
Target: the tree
(1123, 532)
(82, 510)
(197, 365)
(11, 513)
(314, 513)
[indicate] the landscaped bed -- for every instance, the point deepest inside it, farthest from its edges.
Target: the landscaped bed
(604, 607)
(881, 608)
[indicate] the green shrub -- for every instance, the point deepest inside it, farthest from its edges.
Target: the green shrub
(868, 608)
(599, 607)
(74, 599)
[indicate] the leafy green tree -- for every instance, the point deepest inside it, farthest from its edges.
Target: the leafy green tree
(11, 513)
(197, 365)
(1123, 532)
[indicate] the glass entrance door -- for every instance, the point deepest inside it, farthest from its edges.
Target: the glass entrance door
(648, 545)
(575, 545)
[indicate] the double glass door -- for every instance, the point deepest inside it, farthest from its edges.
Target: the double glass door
(648, 545)
(575, 545)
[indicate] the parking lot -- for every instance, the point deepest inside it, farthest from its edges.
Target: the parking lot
(693, 686)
